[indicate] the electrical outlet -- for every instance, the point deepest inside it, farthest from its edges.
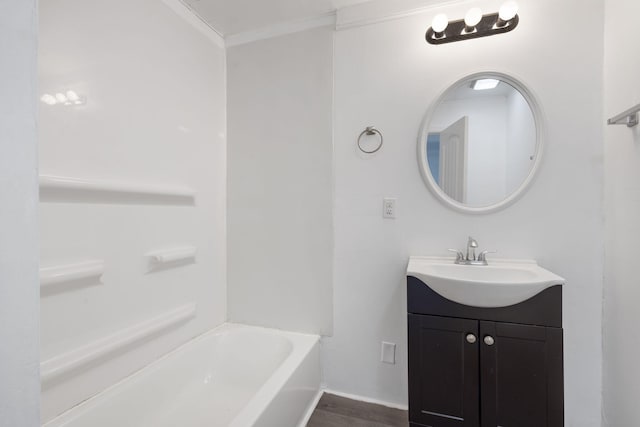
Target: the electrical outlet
(388, 353)
(389, 208)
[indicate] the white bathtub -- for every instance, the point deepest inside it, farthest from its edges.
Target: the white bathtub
(234, 376)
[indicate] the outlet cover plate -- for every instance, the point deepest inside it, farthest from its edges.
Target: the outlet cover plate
(388, 353)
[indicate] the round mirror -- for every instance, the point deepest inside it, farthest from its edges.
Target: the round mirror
(480, 143)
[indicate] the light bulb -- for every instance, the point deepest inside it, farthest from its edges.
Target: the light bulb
(508, 11)
(440, 23)
(72, 96)
(48, 99)
(473, 17)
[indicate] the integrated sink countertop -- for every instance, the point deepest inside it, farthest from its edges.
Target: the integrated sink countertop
(501, 283)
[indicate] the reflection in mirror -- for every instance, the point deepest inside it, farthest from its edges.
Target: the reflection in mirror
(481, 142)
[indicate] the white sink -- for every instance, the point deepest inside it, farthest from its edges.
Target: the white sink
(499, 284)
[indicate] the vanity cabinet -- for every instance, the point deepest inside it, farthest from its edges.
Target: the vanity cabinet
(484, 367)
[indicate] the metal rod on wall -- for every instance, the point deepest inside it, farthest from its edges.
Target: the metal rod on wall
(629, 117)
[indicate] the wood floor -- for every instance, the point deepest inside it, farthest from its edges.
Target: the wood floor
(335, 411)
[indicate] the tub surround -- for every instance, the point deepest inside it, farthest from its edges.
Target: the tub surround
(55, 188)
(53, 278)
(58, 368)
(133, 185)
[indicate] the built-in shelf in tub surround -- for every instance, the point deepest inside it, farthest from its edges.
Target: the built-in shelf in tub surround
(66, 364)
(56, 278)
(54, 188)
(172, 257)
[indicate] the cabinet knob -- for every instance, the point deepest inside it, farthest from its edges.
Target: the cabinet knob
(488, 340)
(471, 339)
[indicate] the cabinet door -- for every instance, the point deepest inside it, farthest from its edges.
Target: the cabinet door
(521, 375)
(443, 371)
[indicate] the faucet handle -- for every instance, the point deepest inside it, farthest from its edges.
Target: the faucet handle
(483, 255)
(459, 254)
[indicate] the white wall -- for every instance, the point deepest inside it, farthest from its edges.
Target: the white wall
(622, 197)
(155, 115)
(387, 76)
(19, 291)
(280, 181)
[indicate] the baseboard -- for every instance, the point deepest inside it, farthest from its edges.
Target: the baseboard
(312, 407)
(367, 399)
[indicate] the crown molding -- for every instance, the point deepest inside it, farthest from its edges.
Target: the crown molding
(196, 21)
(277, 30)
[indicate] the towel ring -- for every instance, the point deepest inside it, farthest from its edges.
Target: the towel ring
(370, 130)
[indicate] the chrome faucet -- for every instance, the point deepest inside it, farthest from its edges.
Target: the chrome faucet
(471, 249)
(470, 258)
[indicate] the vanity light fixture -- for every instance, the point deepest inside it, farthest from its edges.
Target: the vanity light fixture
(485, 84)
(474, 24)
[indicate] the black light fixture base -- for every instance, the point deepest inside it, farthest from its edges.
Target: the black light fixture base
(456, 30)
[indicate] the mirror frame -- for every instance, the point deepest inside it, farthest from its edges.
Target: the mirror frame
(423, 164)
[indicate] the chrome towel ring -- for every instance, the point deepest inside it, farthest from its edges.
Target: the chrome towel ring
(370, 130)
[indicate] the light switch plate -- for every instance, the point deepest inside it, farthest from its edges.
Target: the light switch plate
(388, 354)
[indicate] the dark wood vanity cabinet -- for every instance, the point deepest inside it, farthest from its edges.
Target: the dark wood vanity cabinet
(484, 367)
(444, 380)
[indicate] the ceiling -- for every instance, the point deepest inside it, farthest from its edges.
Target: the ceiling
(231, 17)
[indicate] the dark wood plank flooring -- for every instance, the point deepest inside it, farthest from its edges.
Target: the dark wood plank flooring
(335, 411)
